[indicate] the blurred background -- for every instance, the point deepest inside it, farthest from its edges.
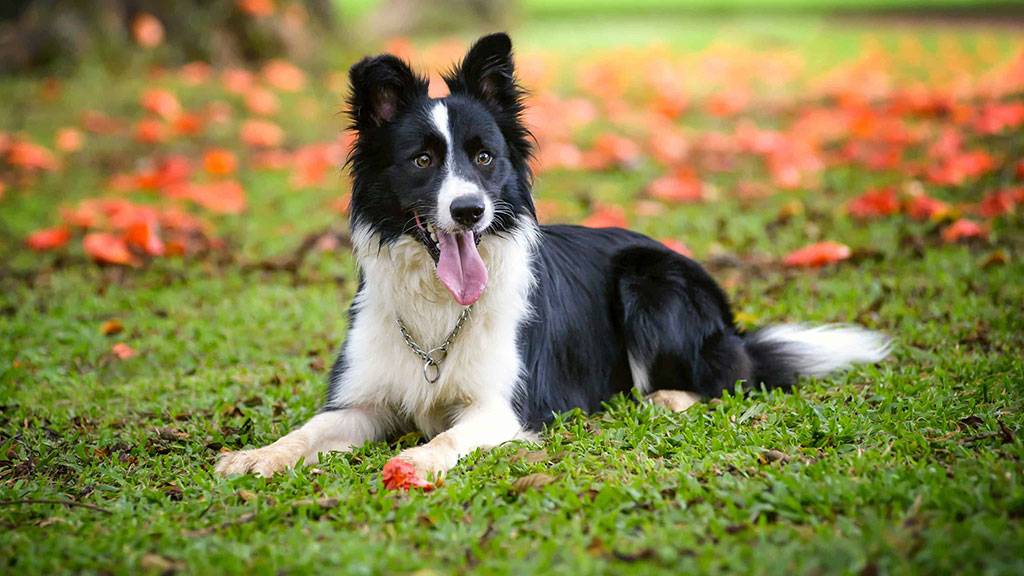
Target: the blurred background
(197, 127)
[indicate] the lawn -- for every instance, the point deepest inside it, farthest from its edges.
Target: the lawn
(910, 466)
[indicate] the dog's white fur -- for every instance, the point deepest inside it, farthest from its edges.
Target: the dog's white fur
(470, 405)
(821, 350)
(454, 185)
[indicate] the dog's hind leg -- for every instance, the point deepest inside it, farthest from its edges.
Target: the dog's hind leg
(674, 400)
(333, 430)
(682, 346)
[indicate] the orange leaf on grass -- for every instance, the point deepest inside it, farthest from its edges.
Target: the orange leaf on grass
(111, 327)
(187, 124)
(256, 8)
(226, 197)
(237, 80)
(163, 103)
(607, 217)
(611, 150)
(30, 156)
(284, 75)
(682, 186)
(107, 249)
(147, 31)
(48, 239)
(924, 207)
(400, 475)
(144, 233)
(817, 255)
(150, 131)
(123, 351)
(996, 204)
(261, 102)
(69, 139)
(261, 133)
(963, 229)
(219, 162)
(874, 203)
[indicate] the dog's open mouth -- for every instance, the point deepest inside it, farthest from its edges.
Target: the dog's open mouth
(458, 262)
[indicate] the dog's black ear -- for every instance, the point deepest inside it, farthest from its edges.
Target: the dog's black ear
(488, 73)
(382, 86)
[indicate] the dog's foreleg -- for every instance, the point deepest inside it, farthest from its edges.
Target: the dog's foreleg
(481, 425)
(335, 430)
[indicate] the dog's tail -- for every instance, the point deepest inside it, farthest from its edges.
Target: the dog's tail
(778, 353)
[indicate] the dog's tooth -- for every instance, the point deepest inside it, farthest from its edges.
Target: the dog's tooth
(433, 236)
(430, 227)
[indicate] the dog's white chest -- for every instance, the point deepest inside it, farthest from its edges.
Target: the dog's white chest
(482, 360)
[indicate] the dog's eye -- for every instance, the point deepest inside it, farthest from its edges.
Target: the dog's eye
(422, 161)
(483, 158)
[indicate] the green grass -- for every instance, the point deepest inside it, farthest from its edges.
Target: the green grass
(898, 468)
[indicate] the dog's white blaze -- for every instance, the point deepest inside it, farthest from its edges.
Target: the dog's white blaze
(483, 365)
(819, 350)
(453, 185)
(641, 379)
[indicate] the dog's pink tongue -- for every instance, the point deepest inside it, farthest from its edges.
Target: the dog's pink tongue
(460, 267)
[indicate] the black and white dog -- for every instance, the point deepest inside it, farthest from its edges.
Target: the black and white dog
(475, 325)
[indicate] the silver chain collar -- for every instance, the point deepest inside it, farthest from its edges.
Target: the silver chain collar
(433, 358)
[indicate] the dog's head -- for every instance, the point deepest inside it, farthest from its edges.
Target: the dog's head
(445, 171)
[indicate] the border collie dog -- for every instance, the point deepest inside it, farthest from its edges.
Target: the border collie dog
(475, 325)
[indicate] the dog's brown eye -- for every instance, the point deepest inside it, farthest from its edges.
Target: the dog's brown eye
(422, 161)
(483, 158)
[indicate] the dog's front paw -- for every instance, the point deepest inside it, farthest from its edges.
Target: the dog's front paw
(262, 461)
(431, 463)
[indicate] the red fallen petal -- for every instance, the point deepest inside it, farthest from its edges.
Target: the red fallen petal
(607, 217)
(284, 76)
(188, 124)
(261, 102)
(677, 188)
(147, 31)
(818, 255)
(677, 246)
(163, 103)
(69, 140)
(874, 203)
(225, 197)
(107, 248)
(144, 234)
(400, 475)
(963, 229)
(48, 239)
(924, 207)
(123, 351)
(995, 204)
(261, 133)
(219, 162)
(149, 131)
(30, 156)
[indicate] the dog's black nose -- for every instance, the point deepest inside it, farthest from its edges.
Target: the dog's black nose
(467, 209)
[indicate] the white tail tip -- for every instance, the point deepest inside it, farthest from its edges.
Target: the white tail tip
(820, 350)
